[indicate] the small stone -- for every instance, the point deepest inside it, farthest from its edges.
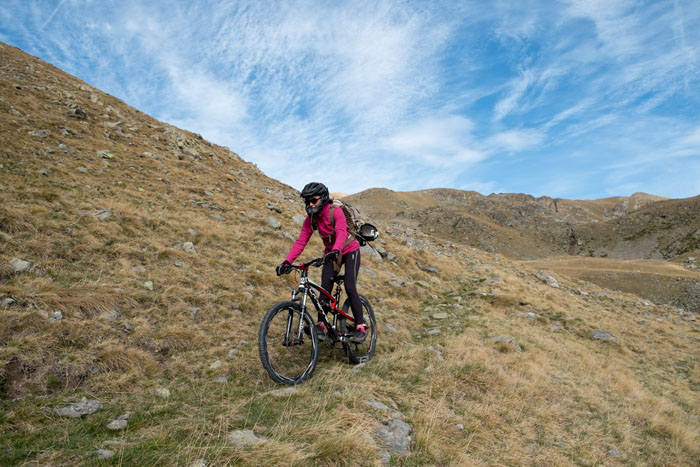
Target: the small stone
(614, 453)
(117, 425)
(441, 315)
(221, 379)
(79, 409)
(189, 247)
(8, 301)
(148, 285)
(242, 438)
(20, 265)
(163, 392)
(199, 463)
(600, 335)
(77, 112)
(104, 453)
(81, 169)
(57, 315)
(437, 352)
(460, 427)
(232, 352)
(549, 280)
(138, 269)
(44, 172)
(273, 222)
(178, 264)
(216, 365)
(431, 269)
(127, 416)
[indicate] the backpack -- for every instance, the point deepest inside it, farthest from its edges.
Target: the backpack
(362, 231)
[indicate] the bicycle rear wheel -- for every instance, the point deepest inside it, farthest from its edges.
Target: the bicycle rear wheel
(359, 353)
(288, 358)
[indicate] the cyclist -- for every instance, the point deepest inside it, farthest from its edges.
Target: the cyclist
(340, 248)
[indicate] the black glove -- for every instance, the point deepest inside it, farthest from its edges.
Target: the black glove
(330, 257)
(284, 268)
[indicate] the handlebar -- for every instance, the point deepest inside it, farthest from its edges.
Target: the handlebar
(305, 266)
(318, 262)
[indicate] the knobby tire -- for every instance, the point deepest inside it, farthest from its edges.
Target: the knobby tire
(287, 363)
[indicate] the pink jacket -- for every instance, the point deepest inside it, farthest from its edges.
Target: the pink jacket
(331, 240)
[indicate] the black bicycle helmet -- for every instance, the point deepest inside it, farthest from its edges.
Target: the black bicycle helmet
(316, 189)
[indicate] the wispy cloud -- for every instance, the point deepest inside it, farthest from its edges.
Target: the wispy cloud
(438, 142)
(48, 20)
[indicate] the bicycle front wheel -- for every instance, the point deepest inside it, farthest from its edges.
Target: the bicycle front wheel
(360, 353)
(288, 356)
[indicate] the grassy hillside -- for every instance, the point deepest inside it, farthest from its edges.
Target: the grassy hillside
(136, 258)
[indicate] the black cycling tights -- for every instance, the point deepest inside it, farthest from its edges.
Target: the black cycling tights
(352, 268)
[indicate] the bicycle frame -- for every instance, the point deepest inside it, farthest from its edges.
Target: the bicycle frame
(307, 289)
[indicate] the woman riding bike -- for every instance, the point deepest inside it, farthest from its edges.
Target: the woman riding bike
(340, 248)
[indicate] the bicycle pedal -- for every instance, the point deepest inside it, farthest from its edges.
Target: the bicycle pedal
(293, 342)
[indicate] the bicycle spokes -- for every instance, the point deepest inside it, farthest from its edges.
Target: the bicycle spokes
(287, 353)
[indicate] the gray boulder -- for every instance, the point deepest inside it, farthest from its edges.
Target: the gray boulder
(397, 437)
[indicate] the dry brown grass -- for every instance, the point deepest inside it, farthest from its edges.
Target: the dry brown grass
(564, 400)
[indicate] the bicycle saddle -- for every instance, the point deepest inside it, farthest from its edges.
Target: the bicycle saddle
(339, 278)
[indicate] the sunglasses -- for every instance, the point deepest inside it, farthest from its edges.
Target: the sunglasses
(312, 200)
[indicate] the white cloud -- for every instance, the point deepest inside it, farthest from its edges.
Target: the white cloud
(518, 87)
(514, 140)
(208, 101)
(688, 145)
(438, 142)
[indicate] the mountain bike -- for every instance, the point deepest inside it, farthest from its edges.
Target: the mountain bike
(288, 342)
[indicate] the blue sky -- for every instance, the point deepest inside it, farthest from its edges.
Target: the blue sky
(577, 99)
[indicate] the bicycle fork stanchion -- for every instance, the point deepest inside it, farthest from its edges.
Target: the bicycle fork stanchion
(290, 341)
